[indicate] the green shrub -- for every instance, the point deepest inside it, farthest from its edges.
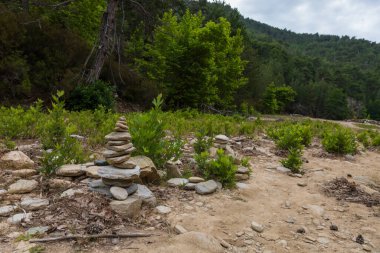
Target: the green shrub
(70, 151)
(290, 136)
(148, 136)
(203, 142)
(376, 141)
(222, 168)
(364, 138)
(293, 161)
(340, 141)
(91, 96)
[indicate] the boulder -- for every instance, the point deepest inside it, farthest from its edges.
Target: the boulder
(207, 187)
(30, 204)
(23, 186)
(128, 208)
(16, 160)
(145, 195)
(173, 169)
(148, 171)
(70, 170)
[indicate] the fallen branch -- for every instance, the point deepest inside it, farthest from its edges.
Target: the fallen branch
(74, 237)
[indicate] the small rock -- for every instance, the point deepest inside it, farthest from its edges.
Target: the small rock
(359, 239)
(70, 170)
(37, 230)
(367, 248)
(241, 177)
(60, 183)
(92, 171)
(71, 192)
(242, 185)
(177, 182)
(128, 208)
(6, 210)
(179, 229)
(291, 220)
(323, 240)
(3, 192)
(207, 187)
(132, 189)
(239, 234)
(163, 209)
(301, 230)
(302, 184)
(221, 138)
(33, 203)
(283, 169)
(23, 186)
(248, 242)
(119, 193)
(18, 218)
(190, 186)
(24, 173)
(242, 170)
(145, 195)
(172, 170)
(316, 210)
(196, 180)
(334, 227)
(283, 243)
(257, 227)
(101, 163)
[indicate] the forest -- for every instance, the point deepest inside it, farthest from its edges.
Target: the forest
(198, 54)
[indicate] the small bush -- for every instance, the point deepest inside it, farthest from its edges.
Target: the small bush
(290, 136)
(91, 96)
(376, 141)
(293, 161)
(148, 136)
(339, 141)
(203, 142)
(69, 152)
(364, 138)
(222, 168)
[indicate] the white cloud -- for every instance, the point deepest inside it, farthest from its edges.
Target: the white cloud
(340, 17)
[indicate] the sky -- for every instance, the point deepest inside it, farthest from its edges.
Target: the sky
(359, 18)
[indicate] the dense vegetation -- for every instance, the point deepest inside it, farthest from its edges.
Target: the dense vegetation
(198, 54)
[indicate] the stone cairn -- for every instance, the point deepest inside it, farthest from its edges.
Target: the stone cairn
(121, 171)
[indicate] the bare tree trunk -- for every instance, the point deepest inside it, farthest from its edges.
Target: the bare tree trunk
(105, 42)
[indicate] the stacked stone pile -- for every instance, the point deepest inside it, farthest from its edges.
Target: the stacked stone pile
(122, 171)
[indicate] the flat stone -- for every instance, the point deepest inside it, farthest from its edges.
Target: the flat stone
(38, 230)
(207, 187)
(120, 148)
(196, 180)
(119, 193)
(111, 172)
(60, 183)
(128, 208)
(148, 171)
(132, 189)
(3, 192)
(30, 204)
(302, 184)
(177, 182)
(114, 154)
(71, 192)
(316, 210)
(24, 173)
(241, 177)
(118, 136)
(242, 170)
(16, 160)
(221, 138)
(145, 195)
(6, 210)
(121, 125)
(18, 218)
(257, 227)
(100, 163)
(92, 171)
(117, 143)
(283, 169)
(323, 240)
(189, 186)
(117, 182)
(242, 186)
(119, 160)
(70, 170)
(163, 209)
(23, 186)
(179, 229)
(99, 187)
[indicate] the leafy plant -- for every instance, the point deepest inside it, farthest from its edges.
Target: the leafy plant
(290, 136)
(222, 168)
(340, 141)
(203, 142)
(293, 161)
(364, 138)
(37, 249)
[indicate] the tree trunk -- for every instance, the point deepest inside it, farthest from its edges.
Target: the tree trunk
(105, 42)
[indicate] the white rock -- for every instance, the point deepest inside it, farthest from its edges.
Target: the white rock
(33, 203)
(221, 138)
(70, 170)
(257, 227)
(196, 179)
(24, 173)
(119, 193)
(6, 210)
(23, 186)
(242, 186)
(179, 229)
(3, 192)
(163, 209)
(145, 195)
(316, 210)
(71, 192)
(177, 182)
(283, 169)
(128, 208)
(18, 218)
(207, 187)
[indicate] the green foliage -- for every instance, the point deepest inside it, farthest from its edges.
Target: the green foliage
(340, 141)
(289, 136)
(195, 64)
(364, 138)
(293, 161)
(222, 168)
(91, 96)
(276, 99)
(37, 249)
(203, 142)
(148, 136)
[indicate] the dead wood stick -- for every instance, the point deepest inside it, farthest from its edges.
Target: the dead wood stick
(72, 237)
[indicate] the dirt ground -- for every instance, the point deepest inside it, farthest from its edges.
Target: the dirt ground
(281, 203)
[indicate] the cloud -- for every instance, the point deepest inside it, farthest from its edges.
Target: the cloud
(339, 17)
